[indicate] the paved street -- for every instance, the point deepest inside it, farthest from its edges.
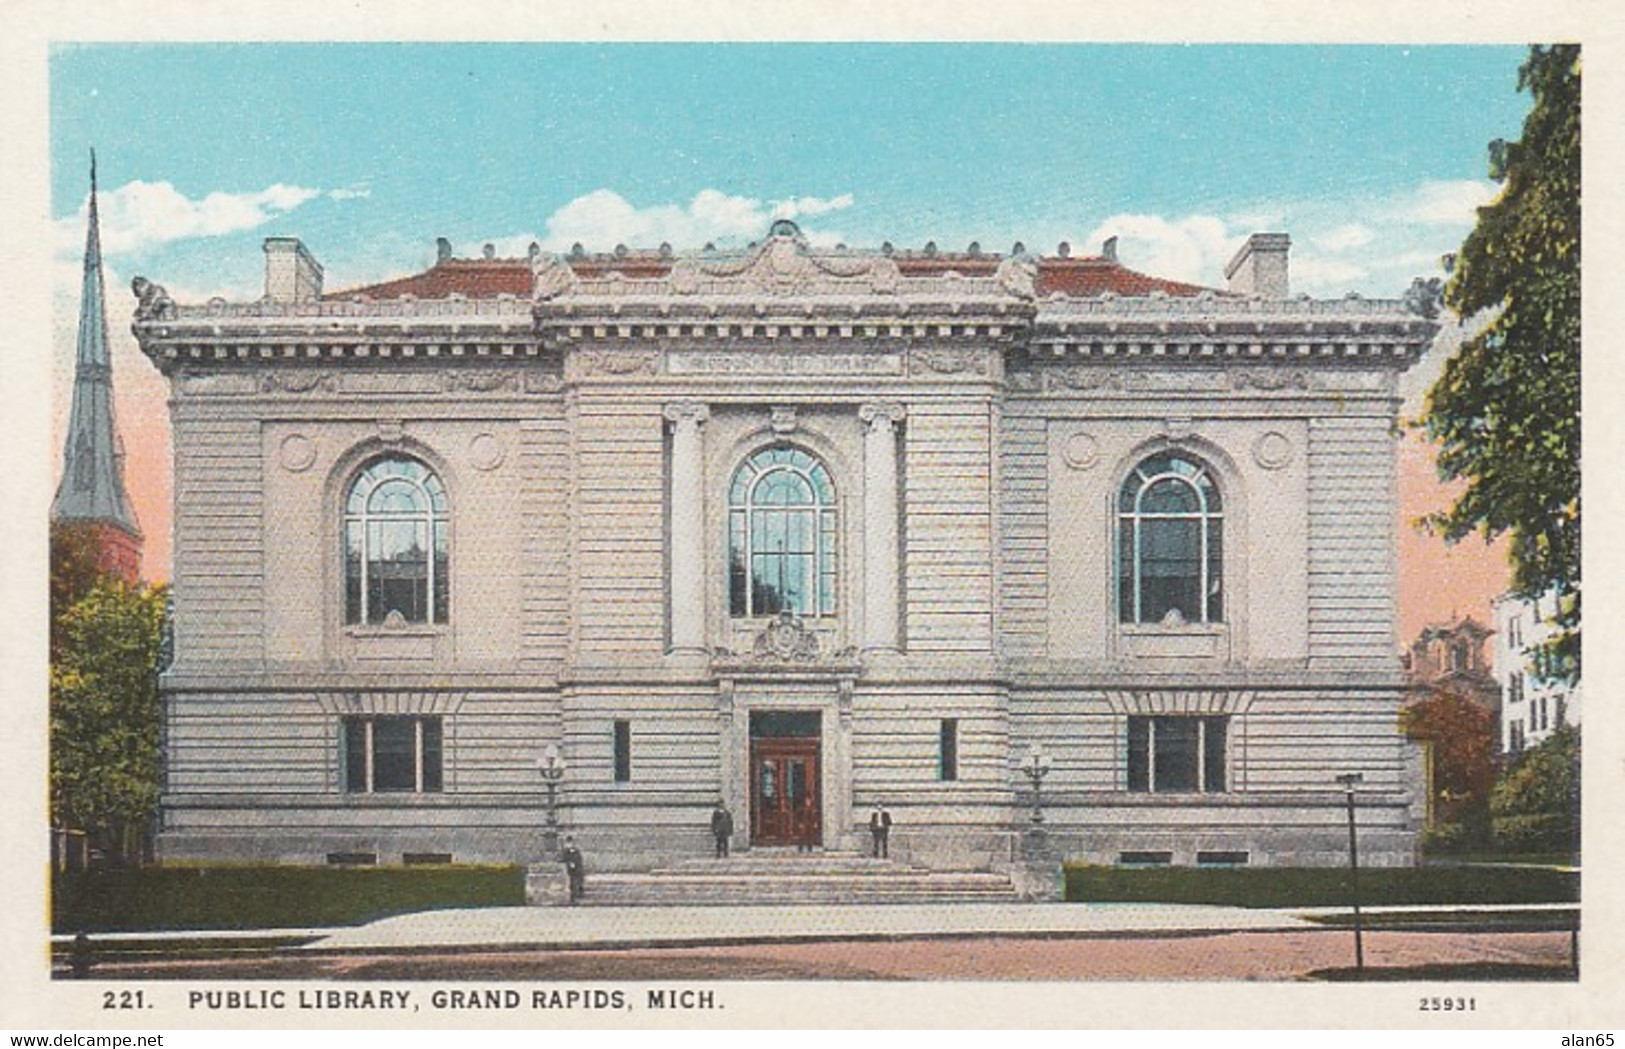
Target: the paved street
(965, 942)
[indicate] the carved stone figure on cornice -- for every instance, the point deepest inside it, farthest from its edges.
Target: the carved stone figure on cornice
(481, 381)
(599, 361)
(152, 301)
(300, 380)
(1269, 379)
(552, 276)
(1085, 379)
(1018, 276)
(950, 362)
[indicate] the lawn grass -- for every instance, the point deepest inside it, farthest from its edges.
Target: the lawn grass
(1319, 886)
(269, 897)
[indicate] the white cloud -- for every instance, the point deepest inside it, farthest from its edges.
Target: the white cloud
(603, 218)
(1352, 235)
(350, 193)
(796, 207)
(141, 215)
(1195, 248)
(1446, 203)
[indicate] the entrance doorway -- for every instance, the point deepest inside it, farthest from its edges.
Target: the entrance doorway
(785, 803)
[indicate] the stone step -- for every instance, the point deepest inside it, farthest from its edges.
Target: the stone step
(670, 896)
(818, 879)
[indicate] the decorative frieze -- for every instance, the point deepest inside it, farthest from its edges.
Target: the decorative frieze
(780, 363)
(601, 362)
(948, 362)
(299, 381)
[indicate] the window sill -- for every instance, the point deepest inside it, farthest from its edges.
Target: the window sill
(406, 630)
(1187, 641)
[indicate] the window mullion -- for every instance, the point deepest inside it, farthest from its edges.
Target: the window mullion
(368, 733)
(1201, 755)
(1151, 757)
(417, 755)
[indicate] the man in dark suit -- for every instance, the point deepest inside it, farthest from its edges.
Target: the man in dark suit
(722, 828)
(570, 856)
(880, 829)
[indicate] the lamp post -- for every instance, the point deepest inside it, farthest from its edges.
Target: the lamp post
(1036, 767)
(551, 768)
(1349, 781)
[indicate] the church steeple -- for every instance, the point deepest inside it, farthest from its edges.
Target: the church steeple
(91, 491)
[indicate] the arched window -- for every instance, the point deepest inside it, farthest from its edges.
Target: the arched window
(396, 568)
(1170, 543)
(781, 535)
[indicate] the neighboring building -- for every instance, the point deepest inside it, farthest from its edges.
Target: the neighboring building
(804, 530)
(1532, 706)
(1449, 657)
(91, 492)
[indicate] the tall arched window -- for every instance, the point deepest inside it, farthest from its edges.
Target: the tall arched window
(396, 567)
(1170, 543)
(781, 535)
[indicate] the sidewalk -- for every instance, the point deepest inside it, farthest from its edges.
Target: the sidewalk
(557, 928)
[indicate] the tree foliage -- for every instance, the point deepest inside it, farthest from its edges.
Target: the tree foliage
(1463, 737)
(1506, 410)
(1545, 780)
(104, 712)
(75, 570)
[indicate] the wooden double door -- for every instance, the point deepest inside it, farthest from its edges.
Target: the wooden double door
(785, 804)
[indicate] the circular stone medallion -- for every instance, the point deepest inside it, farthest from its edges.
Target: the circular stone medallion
(485, 452)
(298, 452)
(1081, 451)
(1272, 451)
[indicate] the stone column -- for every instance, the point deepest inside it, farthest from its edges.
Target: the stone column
(880, 495)
(687, 527)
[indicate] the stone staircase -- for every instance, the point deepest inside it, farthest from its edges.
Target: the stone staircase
(763, 878)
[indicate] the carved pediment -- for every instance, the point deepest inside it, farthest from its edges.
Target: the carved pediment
(784, 264)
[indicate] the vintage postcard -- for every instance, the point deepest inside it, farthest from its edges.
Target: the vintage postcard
(579, 518)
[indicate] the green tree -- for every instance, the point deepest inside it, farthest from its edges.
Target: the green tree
(1506, 411)
(75, 569)
(1535, 805)
(104, 715)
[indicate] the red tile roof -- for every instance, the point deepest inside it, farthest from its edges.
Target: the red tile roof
(472, 278)
(487, 278)
(1087, 278)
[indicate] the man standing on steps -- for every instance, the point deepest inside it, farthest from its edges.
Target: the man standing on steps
(570, 856)
(722, 828)
(880, 829)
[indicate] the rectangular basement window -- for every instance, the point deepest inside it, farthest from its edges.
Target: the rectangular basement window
(1145, 859)
(1222, 858)
(414, 858)
(352, 859)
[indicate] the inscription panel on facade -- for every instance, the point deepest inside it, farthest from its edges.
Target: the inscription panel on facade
(758, 362)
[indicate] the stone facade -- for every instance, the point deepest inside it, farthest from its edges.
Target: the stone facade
(623, 568)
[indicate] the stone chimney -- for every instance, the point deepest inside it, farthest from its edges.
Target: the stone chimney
(1259, 268)
(292, 274)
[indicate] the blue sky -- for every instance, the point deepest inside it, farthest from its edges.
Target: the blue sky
(1371, 157)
